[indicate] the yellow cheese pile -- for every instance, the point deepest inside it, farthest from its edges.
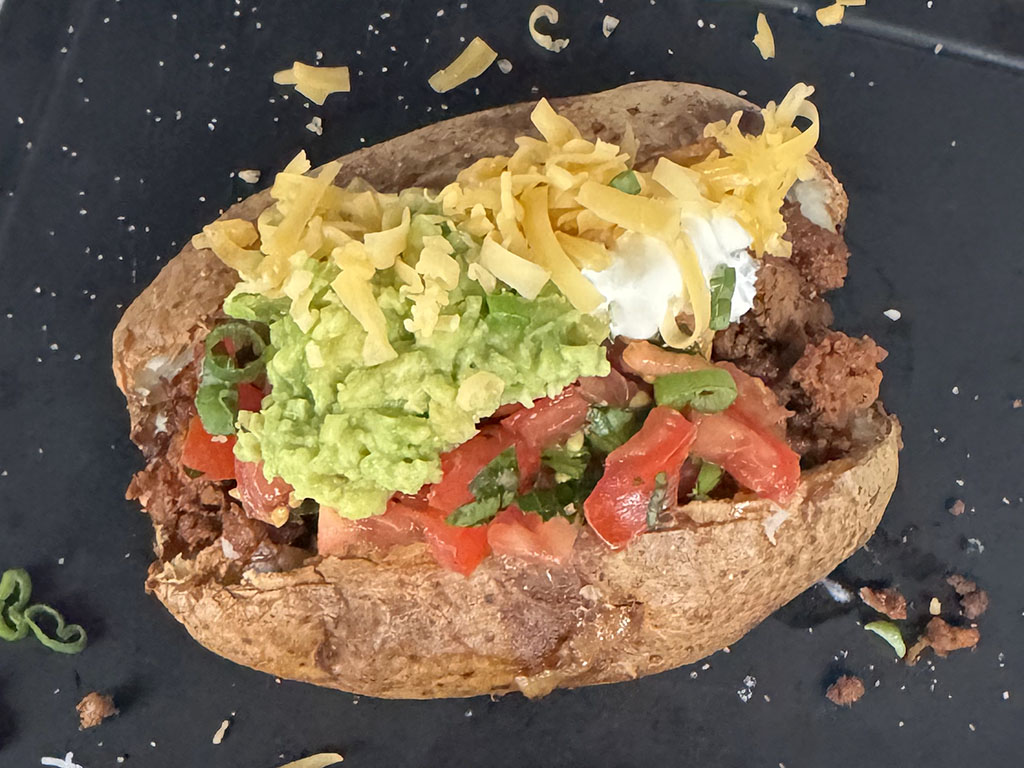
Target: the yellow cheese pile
(545, 213)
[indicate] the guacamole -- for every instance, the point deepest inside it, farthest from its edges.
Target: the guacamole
(348, 435)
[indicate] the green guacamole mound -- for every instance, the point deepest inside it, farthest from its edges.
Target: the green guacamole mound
(349, 436)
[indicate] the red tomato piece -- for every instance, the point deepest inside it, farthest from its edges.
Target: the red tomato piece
(455, 548)
(461, 464)
(617, 507)
(755, 458)
(528, 537)
(262, 499)
(250, 397)
(213, 455)
(337, 535)
(550, 421)
(757, 405)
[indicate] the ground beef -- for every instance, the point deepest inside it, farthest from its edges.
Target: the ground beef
(840, 376)
(973, 601)
(94, 709)
(945, 638)
(824, 377)
(846, 690)
(820, 255)
(889, 601)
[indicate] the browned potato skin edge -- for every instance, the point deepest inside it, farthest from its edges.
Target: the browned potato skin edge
(401, 627)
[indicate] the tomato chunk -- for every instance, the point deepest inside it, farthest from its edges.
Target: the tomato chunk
(756, 405)
(551, 420)
(250, 397)
(337, 535)
(461, 464)
(756, 459)
(528, 537)
(617, 507)
(213, 455)
(454, 547)
(262, 499)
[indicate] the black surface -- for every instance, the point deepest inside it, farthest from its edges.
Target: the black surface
(113, 182)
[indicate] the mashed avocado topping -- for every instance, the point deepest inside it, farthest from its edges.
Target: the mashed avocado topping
(350, 435)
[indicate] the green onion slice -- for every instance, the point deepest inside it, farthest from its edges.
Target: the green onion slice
(709, 476)
(15, 590)
(889, 632)
(626, 182)
(723, 285)
(217, 405)
(657, 501)
(708, 390)
(224, 366)
(66, 638)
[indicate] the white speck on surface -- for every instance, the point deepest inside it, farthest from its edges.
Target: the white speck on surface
(893, 314)
(468, 713)
(504, 66)
(608, 25)
(746, 693)
(1006, 695)
(938, 48)
(956, 390)
(316, 125)
(975, 546)
(700, 23)
(960, 483)
(837, 591)
(68, 761)
(952, 143)
(249, 175)
(971, 726)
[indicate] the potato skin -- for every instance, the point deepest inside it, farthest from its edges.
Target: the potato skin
(400, 626)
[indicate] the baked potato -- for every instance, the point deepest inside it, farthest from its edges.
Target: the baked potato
(394, 623)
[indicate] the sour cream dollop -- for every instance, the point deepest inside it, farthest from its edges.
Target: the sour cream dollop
(643, 279)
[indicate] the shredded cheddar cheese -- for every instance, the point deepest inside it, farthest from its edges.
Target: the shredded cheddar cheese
(545, 41)
(472, 62)
(543, 214)
(315, 83)
(833, 14)
(764, 39)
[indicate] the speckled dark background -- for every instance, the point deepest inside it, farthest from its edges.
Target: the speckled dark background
(120, 126)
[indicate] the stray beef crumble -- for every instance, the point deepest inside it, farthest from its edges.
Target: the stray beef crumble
(93, 709)
(845, 691)
(890, 601)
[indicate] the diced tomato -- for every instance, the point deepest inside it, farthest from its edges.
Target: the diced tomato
(261, 499)
(454, 547)
(550, 421)
(617, 507)
(614, 389)
(757, 459)
(461, 464)
(337, 535)
(213, 455)
(250, 397)
(757, 405)
(528, 537)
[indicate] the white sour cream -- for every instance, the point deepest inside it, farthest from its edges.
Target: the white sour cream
(643, 279)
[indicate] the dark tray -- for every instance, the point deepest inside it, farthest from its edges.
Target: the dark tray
(120, 126)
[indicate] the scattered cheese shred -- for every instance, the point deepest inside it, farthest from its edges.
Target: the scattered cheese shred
(472, 62)
(521, 275)
(315, 83)
(833, 14)
(545, 41)
(608, 25)
(764, 39)
(321, 760)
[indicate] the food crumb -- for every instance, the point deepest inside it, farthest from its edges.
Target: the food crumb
(973, 601)
(957, 508)
(504, 66)
(845, 691)
(1006, 695)
(218, 737)
(943, 638)
(893, 314)
(316, 125)
(889, 601)
(93, 709)
(249, 176)
(1018, 403)
(935, 607)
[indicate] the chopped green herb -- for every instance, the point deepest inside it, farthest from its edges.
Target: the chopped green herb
(493, 488)
(568, 463)
(889, 632)
(709, 390)
(608, 428)
(626, 182)
(475, 512)
(707, 478)
(723, 286)
(657, 501)
(18, 618)
(217, 405)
